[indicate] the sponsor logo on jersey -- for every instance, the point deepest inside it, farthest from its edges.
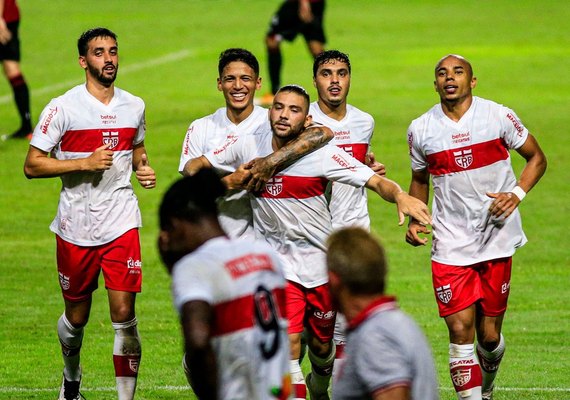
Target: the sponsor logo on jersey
(341, 135)
(45, 125)
(187, 140)
(516, 123)
(461, 137)
(229, 141)
(444, 293)
(505, 287)
(463, 158)
(111, 138)
(274, 186)
(63, 281)
(108, 119)
(410, 142)
(134, 266)
(343, 163)
(326, 315)
(461, 377)
(348, 149)
(248, 264)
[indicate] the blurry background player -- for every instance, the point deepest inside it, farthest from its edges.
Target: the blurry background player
(238, 80)
(92, 137)
(387, 355)
(230, 294)
(10, 57)
(464, 143)
(353, 131)
(293, 17)
(292, 215)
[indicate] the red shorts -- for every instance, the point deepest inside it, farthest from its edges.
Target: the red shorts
(79, 266)
(311, 308)
(458, 287)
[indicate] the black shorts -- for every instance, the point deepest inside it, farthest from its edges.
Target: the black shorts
(286, 22)
(11, 50)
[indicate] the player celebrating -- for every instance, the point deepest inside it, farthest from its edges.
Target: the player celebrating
(463, 143)
(230, 294)
(238, 81)
(92, 137)
(292, 215)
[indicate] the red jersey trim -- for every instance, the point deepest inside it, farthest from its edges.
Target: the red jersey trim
(380, 304)
(88, 140)
(294, 187)
(357, 150)
(237, 314)
(467, 158)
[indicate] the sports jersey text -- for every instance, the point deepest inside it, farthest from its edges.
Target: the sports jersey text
(248, 264)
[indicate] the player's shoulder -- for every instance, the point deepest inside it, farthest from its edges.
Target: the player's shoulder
(126, 96)
(433, 112)
(360, 114)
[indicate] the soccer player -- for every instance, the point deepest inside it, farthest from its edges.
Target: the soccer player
(292, 215)
(238, 81)
(10, 58)
(92, 137)
(353, 131)
(293, 17)
(387, 355)
(463, 143)
(230, 294)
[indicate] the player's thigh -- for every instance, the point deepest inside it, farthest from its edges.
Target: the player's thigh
(11, 50)
(78, 269)
(285, 23)
(455, 287)
(295, 306)
(320, 315)
(121, 263)
(495, 285)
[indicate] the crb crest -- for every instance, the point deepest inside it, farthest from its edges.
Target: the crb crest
(111, 138)
(274, 186)
(463, 158)
(444, 293)
(461, 377)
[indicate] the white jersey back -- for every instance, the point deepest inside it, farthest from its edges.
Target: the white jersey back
(467, 159)
(348, 204)
(94, 207)
(291, 213)
(211, 132)
(243, 281)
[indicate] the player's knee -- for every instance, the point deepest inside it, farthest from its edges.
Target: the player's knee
(272, 43)
(122, 313)
(489, 340)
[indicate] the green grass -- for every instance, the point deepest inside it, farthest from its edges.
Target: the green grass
(520, 51)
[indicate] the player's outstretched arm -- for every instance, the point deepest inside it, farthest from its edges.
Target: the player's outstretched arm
(262, 169)
(39, 164)
(419, 188)
(406, 204)
(506, 202)
(199, 361)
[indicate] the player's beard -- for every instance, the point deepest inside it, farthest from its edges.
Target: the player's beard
(99, 74)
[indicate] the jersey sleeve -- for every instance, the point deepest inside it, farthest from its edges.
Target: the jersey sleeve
(193, 145)
(417, 156)
(339, 166)
(51, 127)
(189, 285)
(229, 156)
(513, 132)
(141, 129)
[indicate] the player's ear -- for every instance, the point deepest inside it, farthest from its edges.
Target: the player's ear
(219, 84)
(258, 83)
(308, 120)
(82, 62)
(473, 82)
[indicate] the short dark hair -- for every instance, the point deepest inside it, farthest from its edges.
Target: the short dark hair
(237, 54)
(83, 41)
(192, 198)
(328, 56)
(300, 90)
(358, 259)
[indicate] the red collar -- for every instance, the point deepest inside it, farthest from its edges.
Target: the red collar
(381, 304)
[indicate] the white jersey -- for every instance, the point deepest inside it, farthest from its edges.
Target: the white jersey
(94, 207)
(211, 132)
(467, 159)
(243, 282)
(291, 213)
(348, 204)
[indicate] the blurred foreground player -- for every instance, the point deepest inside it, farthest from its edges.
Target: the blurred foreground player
(230, 294)
(463, 143)
(387, 357)
(92, 137)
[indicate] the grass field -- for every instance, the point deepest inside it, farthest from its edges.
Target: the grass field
(520, 51)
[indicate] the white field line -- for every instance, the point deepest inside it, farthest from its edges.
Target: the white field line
(168, 388)
(165, 59)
